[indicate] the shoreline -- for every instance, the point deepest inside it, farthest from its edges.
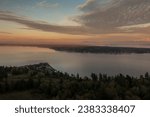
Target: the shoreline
(41, 82)
(88, 49)
(46, 66)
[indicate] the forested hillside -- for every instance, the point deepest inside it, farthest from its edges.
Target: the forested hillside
(41, 81)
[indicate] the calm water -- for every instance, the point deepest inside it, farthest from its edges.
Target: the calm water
(84, 64)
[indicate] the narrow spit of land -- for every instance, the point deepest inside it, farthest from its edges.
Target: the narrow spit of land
(102, 49)
(89, 49)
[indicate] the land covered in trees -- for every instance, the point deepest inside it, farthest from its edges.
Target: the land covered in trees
(101, 49)
(89, 49)
(41, 81)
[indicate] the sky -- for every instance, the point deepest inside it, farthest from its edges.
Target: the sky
(80, 22)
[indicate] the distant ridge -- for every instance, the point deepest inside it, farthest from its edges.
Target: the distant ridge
(89, 49)
(102, 49)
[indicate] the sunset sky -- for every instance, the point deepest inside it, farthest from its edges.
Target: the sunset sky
(84, 22)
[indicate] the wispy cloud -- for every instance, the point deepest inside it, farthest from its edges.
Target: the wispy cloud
(38, 25)
(140, 28)
(111, 14)
(5, 32)
(98, 17)
(46, 4)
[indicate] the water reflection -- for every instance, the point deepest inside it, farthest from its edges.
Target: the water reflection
(84, 64)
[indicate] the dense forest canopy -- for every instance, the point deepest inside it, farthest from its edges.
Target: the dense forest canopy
(41, 81)
(101, 49)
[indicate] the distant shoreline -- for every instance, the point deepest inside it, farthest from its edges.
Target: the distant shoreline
(89, 49)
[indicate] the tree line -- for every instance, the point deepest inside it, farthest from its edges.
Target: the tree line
(36, 82)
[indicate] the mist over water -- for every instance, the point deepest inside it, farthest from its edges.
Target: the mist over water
(82, 63)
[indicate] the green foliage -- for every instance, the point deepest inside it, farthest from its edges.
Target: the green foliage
(44, 83)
